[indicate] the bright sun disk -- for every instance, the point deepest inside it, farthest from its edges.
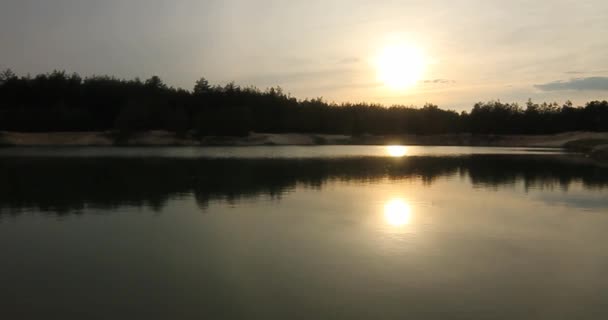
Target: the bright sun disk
(400, 66)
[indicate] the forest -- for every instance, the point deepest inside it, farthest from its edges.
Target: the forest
(58, 101)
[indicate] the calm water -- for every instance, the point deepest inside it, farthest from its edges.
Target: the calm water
(302, 233)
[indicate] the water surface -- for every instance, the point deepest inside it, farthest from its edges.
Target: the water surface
(302, 233)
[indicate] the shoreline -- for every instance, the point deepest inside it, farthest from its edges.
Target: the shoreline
(593, 145)
(165, 138)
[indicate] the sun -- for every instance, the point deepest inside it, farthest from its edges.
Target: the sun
(400, 66)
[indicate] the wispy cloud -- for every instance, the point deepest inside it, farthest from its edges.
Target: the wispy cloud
(439, 81)
(576, 84)
(590, 72)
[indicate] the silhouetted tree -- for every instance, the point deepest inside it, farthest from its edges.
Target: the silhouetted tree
(7, 75)
(201, 87)
(58, 101)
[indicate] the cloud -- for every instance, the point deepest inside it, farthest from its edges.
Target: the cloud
(576, 84)
(439, 81)
(596, 72)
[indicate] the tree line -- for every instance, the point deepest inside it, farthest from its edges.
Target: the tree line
(59, 101)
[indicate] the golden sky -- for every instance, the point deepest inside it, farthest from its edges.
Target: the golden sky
(472, 50)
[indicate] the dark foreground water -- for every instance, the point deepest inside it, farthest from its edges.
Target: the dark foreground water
(302, 233)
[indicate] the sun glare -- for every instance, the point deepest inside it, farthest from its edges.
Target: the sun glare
(400, 66)
(396, 151)
(397, 212)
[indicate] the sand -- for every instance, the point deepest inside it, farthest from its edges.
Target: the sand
(164, 138)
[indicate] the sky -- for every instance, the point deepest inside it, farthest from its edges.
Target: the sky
(474, 50)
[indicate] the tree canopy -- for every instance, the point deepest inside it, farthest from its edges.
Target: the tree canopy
(59, 101)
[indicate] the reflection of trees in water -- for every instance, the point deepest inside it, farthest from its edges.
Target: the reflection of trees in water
(65, 185)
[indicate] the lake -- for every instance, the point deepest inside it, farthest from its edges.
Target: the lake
(329, 232)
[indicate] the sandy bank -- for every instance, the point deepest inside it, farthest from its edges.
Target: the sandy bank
(163, 138)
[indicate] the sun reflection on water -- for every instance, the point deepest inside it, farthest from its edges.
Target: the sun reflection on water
(397, 212)
(396, 151)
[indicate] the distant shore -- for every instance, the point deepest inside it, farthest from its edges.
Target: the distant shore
(164, 138)
(594, 144)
